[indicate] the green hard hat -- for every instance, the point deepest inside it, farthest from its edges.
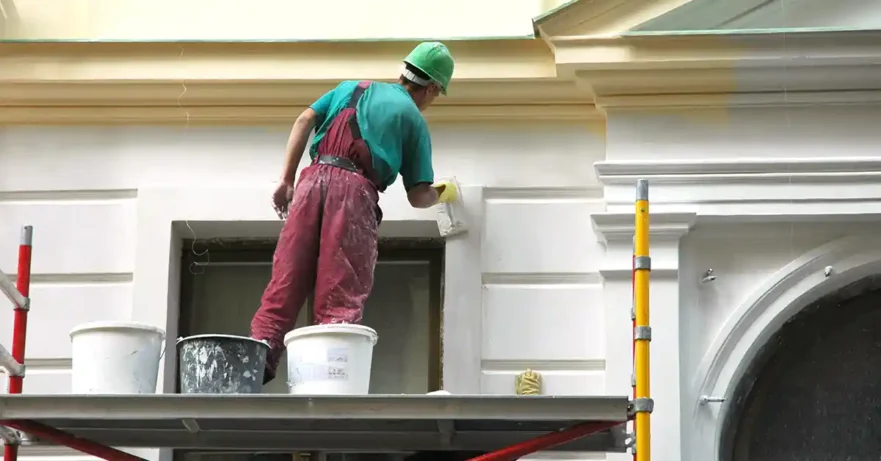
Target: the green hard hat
(435, 60)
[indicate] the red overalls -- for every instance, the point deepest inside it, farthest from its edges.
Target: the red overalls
(328, 244)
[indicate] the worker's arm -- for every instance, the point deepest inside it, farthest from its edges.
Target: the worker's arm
(423, 196)
(416, 169)
(308, 120)
(297, 144)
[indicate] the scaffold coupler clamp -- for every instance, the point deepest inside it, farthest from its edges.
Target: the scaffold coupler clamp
(640, 405)
(10, 437)
(630, 442)
(26, 305)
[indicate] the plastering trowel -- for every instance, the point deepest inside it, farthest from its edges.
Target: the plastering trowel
(451, 215)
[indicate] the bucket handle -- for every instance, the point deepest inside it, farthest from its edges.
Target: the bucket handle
(164, 347)
(181, 338)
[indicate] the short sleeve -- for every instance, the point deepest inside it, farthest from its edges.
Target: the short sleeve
(416, 163)
(322, 105)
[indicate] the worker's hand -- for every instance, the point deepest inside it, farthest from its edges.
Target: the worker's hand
(446, 191)
(281, 199)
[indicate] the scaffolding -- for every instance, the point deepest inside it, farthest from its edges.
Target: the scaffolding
(93, 424)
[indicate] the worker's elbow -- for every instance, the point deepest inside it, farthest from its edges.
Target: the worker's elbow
(307, 118)
(422, 196)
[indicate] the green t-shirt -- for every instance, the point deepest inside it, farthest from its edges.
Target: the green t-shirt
(391, 125)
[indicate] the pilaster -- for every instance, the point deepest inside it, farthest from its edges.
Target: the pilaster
(615, 231)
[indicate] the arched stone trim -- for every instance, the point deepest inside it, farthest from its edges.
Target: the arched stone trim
(752, 324)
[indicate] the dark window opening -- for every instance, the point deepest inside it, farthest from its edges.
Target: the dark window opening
(814, 391)
(221, 284)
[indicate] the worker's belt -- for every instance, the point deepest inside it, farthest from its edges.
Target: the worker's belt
(338, 162)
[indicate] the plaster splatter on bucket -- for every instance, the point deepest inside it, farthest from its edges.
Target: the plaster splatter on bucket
(221, 364)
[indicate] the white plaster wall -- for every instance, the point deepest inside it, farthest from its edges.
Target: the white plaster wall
(532, 257)
(744, 132)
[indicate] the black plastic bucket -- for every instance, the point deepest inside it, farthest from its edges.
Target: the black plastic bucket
(221, 364)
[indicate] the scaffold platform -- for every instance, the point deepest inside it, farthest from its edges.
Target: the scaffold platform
(505, 428)
(286, 423)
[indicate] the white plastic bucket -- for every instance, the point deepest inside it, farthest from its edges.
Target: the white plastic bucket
(332, 359)
(115, 358)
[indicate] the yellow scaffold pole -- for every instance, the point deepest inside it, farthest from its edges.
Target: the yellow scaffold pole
(642, 334)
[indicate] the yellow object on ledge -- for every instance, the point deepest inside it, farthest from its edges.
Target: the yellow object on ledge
(528, 383)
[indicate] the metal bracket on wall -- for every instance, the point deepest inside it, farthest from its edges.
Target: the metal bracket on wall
(705, 399)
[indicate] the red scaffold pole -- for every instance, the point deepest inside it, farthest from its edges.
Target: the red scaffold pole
(20, 297)
(20, 322)
(71, 441)
(545, 442)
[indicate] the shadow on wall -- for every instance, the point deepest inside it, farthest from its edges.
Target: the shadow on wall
(814, 391)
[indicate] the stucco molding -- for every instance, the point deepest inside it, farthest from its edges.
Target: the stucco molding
(674, 102)
(755, 320)
(751, 189)
(767, 170)
(265, 82)
(616, 230)
(721, 63)
(172, 114)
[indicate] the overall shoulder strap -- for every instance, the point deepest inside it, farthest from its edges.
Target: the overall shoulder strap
(356, 95)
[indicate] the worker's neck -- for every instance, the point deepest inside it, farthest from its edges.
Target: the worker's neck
(417, 93)
(411, 90)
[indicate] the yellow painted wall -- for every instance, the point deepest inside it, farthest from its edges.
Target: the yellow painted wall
(272, 19)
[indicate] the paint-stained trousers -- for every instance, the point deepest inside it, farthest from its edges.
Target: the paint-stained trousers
(328, 245)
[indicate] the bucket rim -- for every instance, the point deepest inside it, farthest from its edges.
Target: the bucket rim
(331, 328)
(214, 336)
(114, 325)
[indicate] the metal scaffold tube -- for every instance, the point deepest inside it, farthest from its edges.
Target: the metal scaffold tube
(19, 294)
(12, 367)
(20, 321)
(551, 440)
(8, 436)
(71, 441)
(642, 403)
(9, 290)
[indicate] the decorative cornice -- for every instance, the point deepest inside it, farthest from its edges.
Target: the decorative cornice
(722, 63)
(616, 230)
(270, 82)
(240, 83)
(619, 227)
(486, 60)
(739, 170)
(674, 102)
(752, 190)
(171, 114)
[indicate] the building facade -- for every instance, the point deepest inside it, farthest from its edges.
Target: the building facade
(756, 124)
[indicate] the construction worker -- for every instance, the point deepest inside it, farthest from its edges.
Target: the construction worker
(366, 134)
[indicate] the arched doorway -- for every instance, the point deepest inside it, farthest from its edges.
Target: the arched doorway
(814, 391)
